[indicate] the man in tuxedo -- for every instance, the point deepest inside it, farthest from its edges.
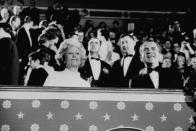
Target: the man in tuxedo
(128, 66)
(24, 44)
(95, 70)
(9, 65)
(176, 51)
(33, 12)
(153, 75)
(24, 39)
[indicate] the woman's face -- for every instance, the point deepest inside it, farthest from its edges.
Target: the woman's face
(33, 63)
(180, 61)
(53, 41)
(74, 57)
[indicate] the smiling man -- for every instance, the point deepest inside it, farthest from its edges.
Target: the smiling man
(153, 75)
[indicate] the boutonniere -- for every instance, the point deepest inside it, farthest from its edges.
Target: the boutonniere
(105, 70)
(143, 71)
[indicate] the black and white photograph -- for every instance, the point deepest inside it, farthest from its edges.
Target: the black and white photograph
(97, 65)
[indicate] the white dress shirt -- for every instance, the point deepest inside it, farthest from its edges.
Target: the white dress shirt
(127, 61)
(154, 76)
(27, 76)
(96, 68)
(105, 49)
(29, 36)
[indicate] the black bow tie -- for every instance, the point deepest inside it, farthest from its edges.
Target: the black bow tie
(154, 69)
(94, 58)
(128, 55)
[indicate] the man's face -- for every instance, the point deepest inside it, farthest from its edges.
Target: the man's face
(17, 9)
(99, 35)
(80, 36)
(193, 62)
(94, 45)
(17, 23)
(166, 63)
(30, 24)
(5, 14)
(168, 44)
(180, 61)
(127, 45)
(115, 25)
(32, 2)
(150, 52)
(176, 48)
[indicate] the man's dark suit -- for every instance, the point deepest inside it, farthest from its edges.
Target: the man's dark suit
(24, 49)
(35, 33)
(9, 65)
(117, 75)
(104, 77)
(23, 43)
(166, 80)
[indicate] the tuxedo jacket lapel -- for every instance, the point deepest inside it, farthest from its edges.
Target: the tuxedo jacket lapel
(101, 70)
(89, 68)
(26, 37)
(131, 68)
(162, 80)
(147, 81)
(129, 71)
(118, 69)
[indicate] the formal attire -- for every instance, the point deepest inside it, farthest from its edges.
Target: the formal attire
(105, 50)
(158, 78)
(24, 43)
(33, 13)
(191, 82)
(98, 71)
(25, 47)
(9, 65)
(37, 77)
(66, 78)
(125, 69)
(35, 33)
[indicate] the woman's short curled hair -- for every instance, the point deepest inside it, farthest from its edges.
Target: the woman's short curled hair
(63, 52)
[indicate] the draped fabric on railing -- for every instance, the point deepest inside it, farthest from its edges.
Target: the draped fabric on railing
(93, 110)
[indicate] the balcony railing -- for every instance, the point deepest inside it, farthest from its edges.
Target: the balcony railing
(80, 109)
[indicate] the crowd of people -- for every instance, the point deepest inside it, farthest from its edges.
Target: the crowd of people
(58, 51)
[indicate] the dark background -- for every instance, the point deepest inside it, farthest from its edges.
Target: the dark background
(162, 5)
(149, 5)
(158, 5)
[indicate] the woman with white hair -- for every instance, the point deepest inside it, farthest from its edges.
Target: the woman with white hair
(73, 57)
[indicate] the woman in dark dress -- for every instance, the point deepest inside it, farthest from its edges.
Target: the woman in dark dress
(37, 74)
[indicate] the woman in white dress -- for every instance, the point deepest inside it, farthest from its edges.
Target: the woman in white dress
(73, 57)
